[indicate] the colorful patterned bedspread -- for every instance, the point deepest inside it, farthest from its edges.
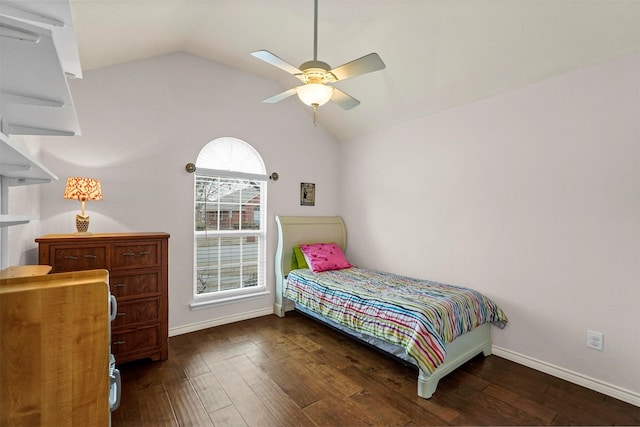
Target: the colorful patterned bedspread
(419, 315)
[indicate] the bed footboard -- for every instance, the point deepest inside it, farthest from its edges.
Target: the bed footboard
(460, 351)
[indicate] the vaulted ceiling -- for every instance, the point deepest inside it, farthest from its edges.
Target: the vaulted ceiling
(438, 53)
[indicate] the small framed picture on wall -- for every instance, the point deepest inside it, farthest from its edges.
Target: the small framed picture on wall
(307, 194)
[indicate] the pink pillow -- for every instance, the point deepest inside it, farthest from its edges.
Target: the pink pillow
(324, 257)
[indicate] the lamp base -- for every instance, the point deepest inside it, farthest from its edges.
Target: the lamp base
(82, 224)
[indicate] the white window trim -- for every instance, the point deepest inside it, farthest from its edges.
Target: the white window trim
(207, 301)
(201, 301)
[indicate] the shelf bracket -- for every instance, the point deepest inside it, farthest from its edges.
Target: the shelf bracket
(10, 9)
(8, 168)
(14, 98)
(28, 130)
(9, 32)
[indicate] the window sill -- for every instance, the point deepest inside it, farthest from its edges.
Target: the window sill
(227, 300)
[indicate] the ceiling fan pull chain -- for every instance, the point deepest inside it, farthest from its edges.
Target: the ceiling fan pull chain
(315, 110)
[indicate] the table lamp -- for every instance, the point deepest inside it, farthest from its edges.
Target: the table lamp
(82, 189)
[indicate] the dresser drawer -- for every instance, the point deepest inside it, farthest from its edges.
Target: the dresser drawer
(137, 311)
(64, 259)
(128, 344)
(135, 285)
(129, 256)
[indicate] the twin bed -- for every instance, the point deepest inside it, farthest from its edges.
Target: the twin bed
(432, 326)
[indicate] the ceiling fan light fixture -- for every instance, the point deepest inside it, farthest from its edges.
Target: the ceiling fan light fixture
(315, 94)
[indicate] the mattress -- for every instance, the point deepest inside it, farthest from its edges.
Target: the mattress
(418, 315)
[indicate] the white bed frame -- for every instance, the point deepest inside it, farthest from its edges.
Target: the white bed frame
(294, 230)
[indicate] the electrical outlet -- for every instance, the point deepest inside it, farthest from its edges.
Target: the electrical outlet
(595, 340)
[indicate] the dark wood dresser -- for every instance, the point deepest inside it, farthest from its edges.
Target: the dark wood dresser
(138, 277)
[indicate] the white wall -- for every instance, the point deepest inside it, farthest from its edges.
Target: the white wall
(143, 121)
(532, 197)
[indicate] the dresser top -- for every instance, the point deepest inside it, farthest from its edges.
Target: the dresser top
(52, 238)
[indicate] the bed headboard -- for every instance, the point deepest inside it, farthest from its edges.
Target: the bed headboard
(294, 230)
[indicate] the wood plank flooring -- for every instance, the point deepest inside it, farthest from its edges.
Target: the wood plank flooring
(295, 372)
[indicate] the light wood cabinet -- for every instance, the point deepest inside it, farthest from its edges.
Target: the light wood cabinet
(138, 277)
(54, 350)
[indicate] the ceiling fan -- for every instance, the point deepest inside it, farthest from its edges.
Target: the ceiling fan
(317, 76)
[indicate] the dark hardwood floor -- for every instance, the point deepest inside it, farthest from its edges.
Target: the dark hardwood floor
(293, 371)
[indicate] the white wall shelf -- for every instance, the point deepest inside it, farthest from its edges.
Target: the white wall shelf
(8, 220)
(18, 168)
(38, 52)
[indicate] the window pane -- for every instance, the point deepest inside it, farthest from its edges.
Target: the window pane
(228, 216)
(225, 263)
(227, 204)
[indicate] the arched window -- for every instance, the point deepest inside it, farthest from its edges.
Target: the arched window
(230, 227)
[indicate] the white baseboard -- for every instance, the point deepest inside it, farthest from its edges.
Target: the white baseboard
(220, 321)
(567, 375)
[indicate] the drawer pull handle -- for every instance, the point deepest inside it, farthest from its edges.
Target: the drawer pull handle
(118, 342)
(70, 257)
(120, 285)
(90, 256)
(129, 254)
(120, 314)
(145, 252)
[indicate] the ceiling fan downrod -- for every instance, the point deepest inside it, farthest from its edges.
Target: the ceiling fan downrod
(315, 30)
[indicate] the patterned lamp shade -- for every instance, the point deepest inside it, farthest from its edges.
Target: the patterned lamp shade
(83, 189)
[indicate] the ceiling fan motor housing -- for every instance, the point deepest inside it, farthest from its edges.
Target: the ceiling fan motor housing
(316, 72)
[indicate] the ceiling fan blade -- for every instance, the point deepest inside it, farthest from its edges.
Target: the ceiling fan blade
(366, 64)
(347, 102)
(270, 58)
(280, 96)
